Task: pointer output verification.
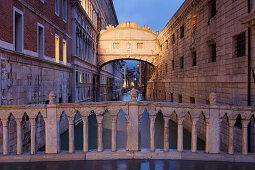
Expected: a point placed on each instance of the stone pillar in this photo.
(71, 134)
(127, 134)
(207, 135)
(58, 136)
(245, 136)
(166, 134)
(194, 135)
(51, 127)
(5, 136)
(231, 123)
(180, 135)
(33, 130)
(19, 136)
(85, 134)
(114, 133)
(152, 133)
(100, 133)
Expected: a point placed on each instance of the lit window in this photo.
(194, 22)
(64, 52)
(139, 45)
(80, 77)
(56, 48)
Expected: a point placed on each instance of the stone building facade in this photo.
(51, 45)
(208, 46)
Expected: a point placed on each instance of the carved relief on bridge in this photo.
(128, 41)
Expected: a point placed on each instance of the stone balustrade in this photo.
(133, 111)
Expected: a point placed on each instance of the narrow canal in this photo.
(144, 126)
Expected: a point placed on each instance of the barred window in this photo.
(194, 58)
(240, 45)
(173, 39)
(182, 31)
(182, 62)
(212, 50)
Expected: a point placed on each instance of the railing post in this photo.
(5, 136)
(85, 133)
(19, 136)
(71, 134)
(51, 127)
(231, 123)
(166, 134)
(33, 128)
(100, 133)
(207, 135)
(245, 136)
(152, 133)
(194, 135)
(114, 132)
(132, 123)
(180, 135)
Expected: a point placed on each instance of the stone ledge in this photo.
(121, 154)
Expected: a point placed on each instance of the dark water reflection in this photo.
(128, 165)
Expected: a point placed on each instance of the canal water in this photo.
(144, 126)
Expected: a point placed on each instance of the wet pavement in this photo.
(128, 165)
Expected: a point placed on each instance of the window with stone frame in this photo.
(180, 98)
(212, 8)
(182, 62)
(239, 41)
(212, 53)
(182, 31)
(194, 58)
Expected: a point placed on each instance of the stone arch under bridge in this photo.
(128, 41)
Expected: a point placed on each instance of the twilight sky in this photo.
(154, 13)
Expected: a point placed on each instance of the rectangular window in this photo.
(64, 52)
(18, 31)
(64, 10)
(192, 100)
(240, 45)
(172, 97)
(180, 98)
(56, 48)
(212, 8)
(166, 44)
(166, 67)
(182, 31)
(212, 49)
(182, 62)
(77, 77)
(194, 58)
(140, 45)
(194, 21)
(57, 7)
(80, 77)
(40, 42)
(172, 64)
(173, 38)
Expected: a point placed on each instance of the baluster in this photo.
(71, 134)
(33, 130)
(245, 136)
(114, 132)
(207, 134)
(100, 133)
(231, 123)
(180, 135)
(152, 133)
(85, 133)
(194, 135)
(19, 136)
(5, 136)
(166, 134)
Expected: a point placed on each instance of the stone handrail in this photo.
(133, 111)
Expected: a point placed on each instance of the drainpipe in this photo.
(249, 59)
